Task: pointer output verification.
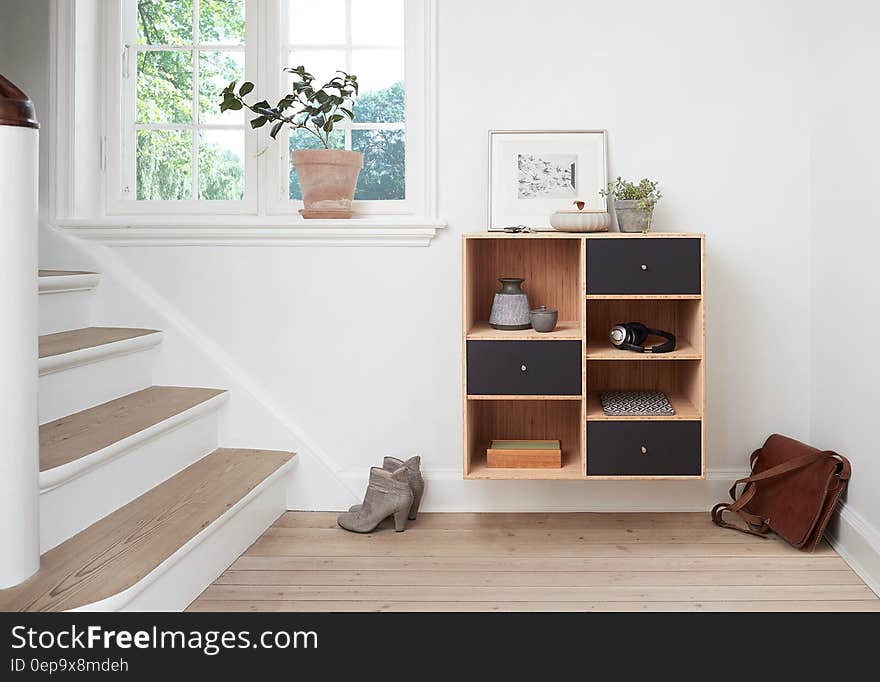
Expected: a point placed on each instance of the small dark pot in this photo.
(544, 319)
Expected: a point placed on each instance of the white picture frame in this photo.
(533, 173)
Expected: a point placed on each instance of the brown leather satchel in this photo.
(792, 491)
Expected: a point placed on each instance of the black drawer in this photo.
(524, 367)
(643, 266)
(649, 448)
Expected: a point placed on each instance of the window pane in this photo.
(164, 164)
(322, 64)
(301, 139)
(387, 105)
(384, 173)
(165, 22)
(221, 164)
(221, 21)
(164, 87)
(216, 71)
(316, 23)
(377, 69)
(377, 22)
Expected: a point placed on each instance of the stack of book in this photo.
(524, 454)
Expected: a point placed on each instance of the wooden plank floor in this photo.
(531, 562)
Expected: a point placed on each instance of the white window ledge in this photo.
(253, 231)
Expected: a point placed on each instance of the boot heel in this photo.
(414, 510)
(400, 520)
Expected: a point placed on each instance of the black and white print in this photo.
(545, 176)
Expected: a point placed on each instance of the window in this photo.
(168, 150)
(179, 54)
(366, 38)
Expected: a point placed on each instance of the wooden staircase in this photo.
(140, 509)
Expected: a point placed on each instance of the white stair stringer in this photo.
(184, 575)
(75, 495)
(74, 381)
(65, 300)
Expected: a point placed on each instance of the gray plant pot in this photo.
(630, 218)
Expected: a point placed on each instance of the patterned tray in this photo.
(636, 404)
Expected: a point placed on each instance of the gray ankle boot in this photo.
(413, 476)
(388, 494)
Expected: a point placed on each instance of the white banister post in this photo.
(19, 448)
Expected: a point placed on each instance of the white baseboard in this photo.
(445, 491)
(858, 542)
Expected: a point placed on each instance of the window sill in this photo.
(253, 231)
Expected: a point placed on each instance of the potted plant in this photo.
(633, 203)
(327, 176)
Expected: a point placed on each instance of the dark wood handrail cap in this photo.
(16, 108)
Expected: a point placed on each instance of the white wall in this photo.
(24, 59)
(361, 346)
(845, 140)
(357, 350)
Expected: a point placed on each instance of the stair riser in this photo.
(67, 391)
(61, 311)
(77, 503)
(174, 584)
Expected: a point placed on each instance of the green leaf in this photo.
(258, 122)
(235, 105)
(328, 126)
(275, 129)
(245, 88)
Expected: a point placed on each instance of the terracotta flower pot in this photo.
(327, 178)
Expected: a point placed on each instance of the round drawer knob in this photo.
(523, 367)
(644, 267)
(644, 450)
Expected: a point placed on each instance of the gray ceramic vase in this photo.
(631, 218)
(510, 310)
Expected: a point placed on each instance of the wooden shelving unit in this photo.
(622, 280)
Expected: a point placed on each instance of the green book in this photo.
(525, 445)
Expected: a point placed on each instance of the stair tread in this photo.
(63, 273)
(87, 337)
(69, 438)
(116, 552)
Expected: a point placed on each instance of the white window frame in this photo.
(278, 200)
(266, 182)
(121, 118)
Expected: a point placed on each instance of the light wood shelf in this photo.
(605, 351)
(568, 330)
(572, 469)
(644, 297)
(523, 397)
(685, 410)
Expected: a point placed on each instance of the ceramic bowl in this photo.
(581, 221)
(544, 319)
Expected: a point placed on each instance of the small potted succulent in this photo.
(633, 203)
(327, 176)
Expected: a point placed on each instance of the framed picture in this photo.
(533, 173)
